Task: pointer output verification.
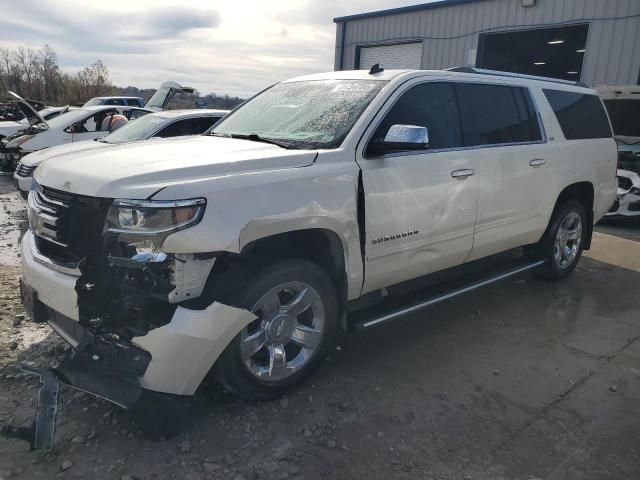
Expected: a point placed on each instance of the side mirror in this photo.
(401, 138)
(410, 137)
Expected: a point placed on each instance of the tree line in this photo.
(36, 75)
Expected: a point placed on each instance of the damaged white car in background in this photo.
(76, 125)
(12, 127)
(86, 123)
(171, 123)
(623, 105)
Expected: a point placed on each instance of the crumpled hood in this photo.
(36, 158)
(137, 170)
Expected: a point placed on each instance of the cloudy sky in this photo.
(224, 46)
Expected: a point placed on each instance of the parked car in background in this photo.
(326, 201)
(623, 105)
(76, 125)
(11, 127)
(129, 101)
(172, 123)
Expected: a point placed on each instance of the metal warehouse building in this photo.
(595, 41)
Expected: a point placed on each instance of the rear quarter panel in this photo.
(574, 161)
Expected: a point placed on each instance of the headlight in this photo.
(635, 191)
(149, 217)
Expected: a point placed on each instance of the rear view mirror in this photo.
(401, 138)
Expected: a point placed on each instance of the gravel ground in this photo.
(522, 380)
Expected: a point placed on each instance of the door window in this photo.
(497, 114)
(430, 105)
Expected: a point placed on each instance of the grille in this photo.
(24, 170)
(45, 216)
(625, 183)
(67, 227)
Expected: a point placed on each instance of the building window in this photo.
(549, 52)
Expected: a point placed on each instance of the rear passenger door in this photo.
(501, 124)
(420, 205)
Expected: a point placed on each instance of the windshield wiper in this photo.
(254, 137)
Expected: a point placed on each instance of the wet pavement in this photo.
(521, 380)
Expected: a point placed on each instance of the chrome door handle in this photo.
(465, 172)
(537, 162)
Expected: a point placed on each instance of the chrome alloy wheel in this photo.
(568, 239)
(286, 334)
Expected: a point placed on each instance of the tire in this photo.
(564, 240)
(280, 361)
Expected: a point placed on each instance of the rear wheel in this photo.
(563, 242)
(296, 308)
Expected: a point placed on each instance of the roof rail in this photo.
(498, 73)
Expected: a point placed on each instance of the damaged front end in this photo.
(10, 152)
(130, 333)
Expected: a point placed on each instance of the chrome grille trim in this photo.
(23, 170)
(42, 260)
(44, 216)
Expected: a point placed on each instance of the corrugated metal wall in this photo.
(450, 34)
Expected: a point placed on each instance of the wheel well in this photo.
(231, 271)
(320, 246)
(584, 193)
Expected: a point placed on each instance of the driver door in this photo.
(420, 205)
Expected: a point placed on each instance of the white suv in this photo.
(317, 205)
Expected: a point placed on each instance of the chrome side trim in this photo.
(42, 260)
(451, 294)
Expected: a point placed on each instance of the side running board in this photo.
(361, 320)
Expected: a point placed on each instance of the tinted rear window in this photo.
(580, 116)
(497, 114)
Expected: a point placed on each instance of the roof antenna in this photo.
(376, 69)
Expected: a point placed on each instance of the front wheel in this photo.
(564, 241)
(296, 307)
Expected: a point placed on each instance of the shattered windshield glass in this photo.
(625, 117)
(307, 114)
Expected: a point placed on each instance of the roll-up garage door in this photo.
(402, 55)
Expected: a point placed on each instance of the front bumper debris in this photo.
(41, 432)
(99, 366)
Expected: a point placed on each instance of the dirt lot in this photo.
(521, 380)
